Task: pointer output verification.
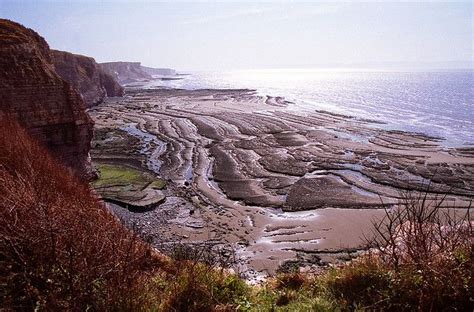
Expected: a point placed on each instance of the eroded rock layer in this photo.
(275, 177)
(86, 76)
(35, 95)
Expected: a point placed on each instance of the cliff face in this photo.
(35, 95)
(126, 72)
(86, 76)
(159, 71)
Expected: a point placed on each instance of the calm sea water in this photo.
(440, 104)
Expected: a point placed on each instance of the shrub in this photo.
(60, 249)
(358, 284)
(418, 231)
(294, 280)
(201, 280)
(421, 258)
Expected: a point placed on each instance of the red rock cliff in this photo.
(86, 76)
(46, 105)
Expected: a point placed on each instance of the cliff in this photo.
(126, 72)
(86, 76)
(159, 71)
(42, 102)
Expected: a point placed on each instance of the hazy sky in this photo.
(245, 35)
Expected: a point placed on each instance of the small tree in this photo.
(418, 230)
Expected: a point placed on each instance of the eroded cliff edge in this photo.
(34, 94)
(126, 72)
(86, 76)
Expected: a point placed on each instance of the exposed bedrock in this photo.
(34, 94)
(260, 153)
(327, 191)
(86, 76)
(278, 181)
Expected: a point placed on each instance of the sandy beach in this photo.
(275, 181)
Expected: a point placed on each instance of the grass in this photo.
(120, 175)
(60, 248)
(267, 298)
(158, 184)
(128, 186)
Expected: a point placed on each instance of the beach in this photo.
(274, 182)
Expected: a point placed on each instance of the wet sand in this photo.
(275, 180)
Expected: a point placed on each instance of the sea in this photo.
(436, 103)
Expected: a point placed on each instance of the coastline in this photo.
(235, 159)
(409, 101)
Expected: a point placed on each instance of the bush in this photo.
(201, 279)
(60, 249)
(421, 258)
(293, 280)
(199, 287)
(358, 284)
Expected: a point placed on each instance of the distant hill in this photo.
(159, 71)
(129, 72)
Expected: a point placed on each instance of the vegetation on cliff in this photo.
(59, 247)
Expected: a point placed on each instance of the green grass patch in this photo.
(119, 175)
(158, 184)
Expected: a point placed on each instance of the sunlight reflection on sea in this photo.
(439, 104)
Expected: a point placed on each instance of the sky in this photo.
(204, 35)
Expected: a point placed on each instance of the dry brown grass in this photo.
(60, 249)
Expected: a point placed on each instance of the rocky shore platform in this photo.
(277, 181)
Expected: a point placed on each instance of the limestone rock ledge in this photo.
(34, 94)
(86, 76)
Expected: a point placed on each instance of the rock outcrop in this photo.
(129, 72)
(126, 72)
(46, 105)
(86, 76)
